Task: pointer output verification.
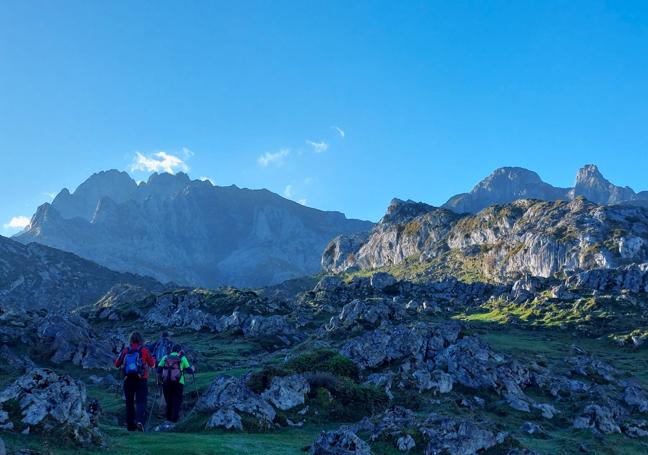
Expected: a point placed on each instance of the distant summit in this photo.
(188, 231)
(508, 184)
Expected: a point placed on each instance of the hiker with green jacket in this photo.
(171, 372)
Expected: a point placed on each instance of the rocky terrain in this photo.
(518, 330)
(187, 231)
(353, 364)
(508, 184)
(499, 243)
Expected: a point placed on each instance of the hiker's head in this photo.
(177, 348)
(136, 338)
(165, 334)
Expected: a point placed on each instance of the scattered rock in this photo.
(339, 442)
(405, 443)
(531, 428)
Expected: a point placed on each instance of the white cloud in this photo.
(17, 222)
(160, 162)
(207, 179)
(340, 131)
(50, 195)
(273, 158)
(288, 191)
(319, 147)
(302, 201)
(186, 153)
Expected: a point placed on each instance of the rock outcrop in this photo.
(50, 403)
(523, 237)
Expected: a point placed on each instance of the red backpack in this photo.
(172, 371)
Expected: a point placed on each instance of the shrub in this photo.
(324, 360)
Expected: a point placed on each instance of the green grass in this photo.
(284, 441)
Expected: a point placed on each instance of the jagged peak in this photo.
(161, 177)
(400, 210)
(589, 172)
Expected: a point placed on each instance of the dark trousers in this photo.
(136, 394)
(173, 397)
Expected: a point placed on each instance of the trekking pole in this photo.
(157, 396)
(193, 384)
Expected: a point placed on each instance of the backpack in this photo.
(133, 364)
(172, 371)
(162, 348)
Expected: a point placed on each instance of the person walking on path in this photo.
(171, 370)
(135, 361)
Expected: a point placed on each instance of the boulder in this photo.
(53, 404)
(531, 428)
(405, 443)
(286, 392)
(382, 280)
(225, 418)
(457, 437)
(600, 417)
(329, 283)
(262, 326)
(228, 392)
(633, 396)
(339, 442)
(390, 343)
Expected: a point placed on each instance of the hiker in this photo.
(162, 347)
(135, 361)
(171, 373)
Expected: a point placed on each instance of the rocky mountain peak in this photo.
(400, 211)
(189, 232)
(507, 184)
(589, 173)
(508, 176)
(82, 203)
(591, 184)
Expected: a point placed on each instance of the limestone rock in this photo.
(286, 392)
(225, 418)
(339, 442)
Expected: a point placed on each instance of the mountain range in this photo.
(507, 184)
(187, 231)
(194, 233)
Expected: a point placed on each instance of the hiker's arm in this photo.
(184, 364)
(120, 359)
(146, 356)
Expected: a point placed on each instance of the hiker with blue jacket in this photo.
(135, 361)
(171, 373)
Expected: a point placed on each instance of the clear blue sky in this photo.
(431, 95)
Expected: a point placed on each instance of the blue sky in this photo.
(431, 96)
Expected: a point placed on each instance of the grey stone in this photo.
(287, 392)
(225, 418)
(339, 442)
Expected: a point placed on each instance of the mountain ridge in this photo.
(188, 231)
(507, 184)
